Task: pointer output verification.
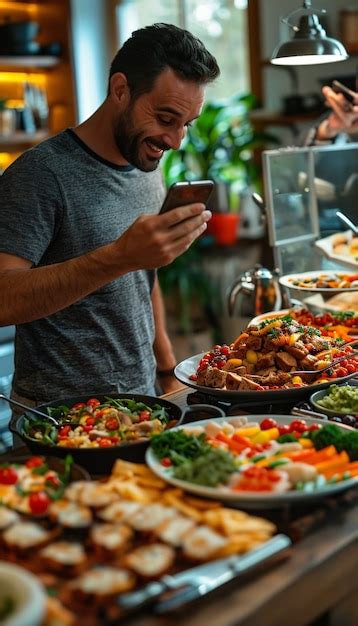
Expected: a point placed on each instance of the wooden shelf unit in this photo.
(51, 73)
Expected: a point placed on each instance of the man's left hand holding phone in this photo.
(344, 115)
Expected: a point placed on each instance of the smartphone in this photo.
(180, 194)
(345, 91)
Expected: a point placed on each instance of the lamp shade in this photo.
(309, 46)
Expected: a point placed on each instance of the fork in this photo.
(323, 369)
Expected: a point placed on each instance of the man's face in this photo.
(157, 120)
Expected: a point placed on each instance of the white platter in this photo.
(326, 247)
(287, 281)
(247, 499)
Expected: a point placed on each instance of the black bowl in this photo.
(100, 460)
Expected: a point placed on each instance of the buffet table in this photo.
(314, 582)
(318, 580)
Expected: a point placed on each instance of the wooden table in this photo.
(317, 582)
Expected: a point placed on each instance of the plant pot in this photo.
(225, 228)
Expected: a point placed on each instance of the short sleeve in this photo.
(30, 208)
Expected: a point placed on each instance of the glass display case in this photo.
(304, 187)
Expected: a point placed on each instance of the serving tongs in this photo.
(29, 409)
(198, 581)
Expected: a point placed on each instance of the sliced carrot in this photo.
(340, 472)
(233, 445)
(322, 455)
(335, 461)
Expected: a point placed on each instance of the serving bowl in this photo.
(100, 460)
(25, 593)
(331, 413)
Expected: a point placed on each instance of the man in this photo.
(80, 234)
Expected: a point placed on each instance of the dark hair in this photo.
(151, 49)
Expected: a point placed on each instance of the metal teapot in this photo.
(256, 291)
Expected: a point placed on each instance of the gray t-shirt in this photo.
(60, 200)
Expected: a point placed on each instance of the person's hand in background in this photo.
(343, 117)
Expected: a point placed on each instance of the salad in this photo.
(95, 424)
(264, 457)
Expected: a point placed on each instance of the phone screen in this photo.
(180, 194)
(345, 91)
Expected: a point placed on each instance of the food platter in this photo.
(307, 278)
(186, 368)
(327, 246)
(247, 499)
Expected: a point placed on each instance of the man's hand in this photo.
(156, 240)
(344, 116)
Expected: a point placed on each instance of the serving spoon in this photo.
(341, 216)
(29, 408)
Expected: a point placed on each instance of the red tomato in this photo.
(225, 350)
(298, 426)
(166, 462)
(144, 416)
(35, 461)
(87, 428)
(39, 502)
(112, 423)
(315, 427)
(104, 442)
(79, 405)
(90, 421)
(63, 431)
(53, 480)
(267, 423)
(93, 402)
(341, 372)
(284, 429)
(8, 476)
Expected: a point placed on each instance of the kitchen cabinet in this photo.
(49, 72)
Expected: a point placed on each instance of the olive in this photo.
(349, 420)
(336, 419)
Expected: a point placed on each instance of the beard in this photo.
(129, 141)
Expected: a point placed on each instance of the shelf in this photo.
(21, 139)
(276, 118)
(29, 61)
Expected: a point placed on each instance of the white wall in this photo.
(92, 54)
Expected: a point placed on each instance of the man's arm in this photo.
(163, 349)
(27, 293)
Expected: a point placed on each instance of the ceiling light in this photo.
(310, 44)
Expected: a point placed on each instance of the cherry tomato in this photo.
(53, 480)
(8, 476)
(166, 462)
(112, 423)
(284, 429)
(39, 502)
(104, 442)
(93, 402)
(90, 421)
(341, 372)
(144, 416)
(225, 350)
(267, 423)
(298, 426)
(64, 431)
(35, 461)
(87, 428)
(79, 405)
(315, 427)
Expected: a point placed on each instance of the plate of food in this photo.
(323, 282)
(256, 462)
(262, 362)
(340, 247)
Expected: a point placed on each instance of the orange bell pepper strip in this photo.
(233, 445)
(319, 456)
(336, 461)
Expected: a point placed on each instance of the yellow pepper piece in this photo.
(293, 338)
(305, 443)
(249, 432)
(262, 437)
(232, 364)
(297, 380)
(251, 356)
(266, 329)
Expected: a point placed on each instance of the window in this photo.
(220, 24)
